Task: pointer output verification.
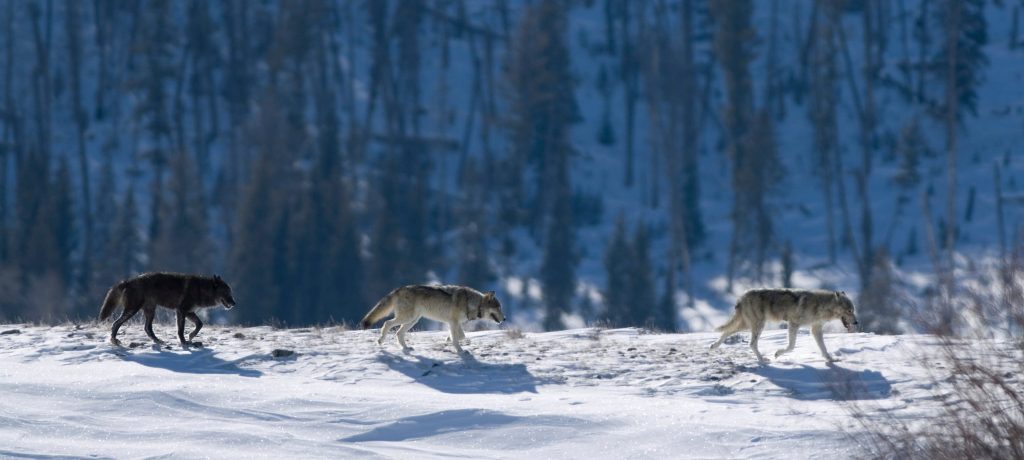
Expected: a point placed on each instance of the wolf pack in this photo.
(185, 294)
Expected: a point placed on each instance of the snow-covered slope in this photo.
(585, 393)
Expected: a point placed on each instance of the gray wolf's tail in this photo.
(113, 299)
(379, 311)
(734, 323)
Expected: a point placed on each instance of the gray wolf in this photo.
(182, 293)
(796, 307)
(448, 304)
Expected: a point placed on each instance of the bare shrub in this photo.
(514, 333)
(979, 382)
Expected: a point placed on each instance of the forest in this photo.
(598, 161)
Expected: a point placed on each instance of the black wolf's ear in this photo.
(217, 278)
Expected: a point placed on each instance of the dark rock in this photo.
(10, 331)
(281, 353)
(239, 335)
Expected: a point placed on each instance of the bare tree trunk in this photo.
(74, 39)
(41, 81)
(101, 9)
(9, 119)
(868, 123)
(951, 110)
(630, 93)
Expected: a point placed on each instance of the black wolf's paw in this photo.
(184, 345)
(195, 344)
(115, 342)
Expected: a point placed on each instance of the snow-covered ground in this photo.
(584, 393)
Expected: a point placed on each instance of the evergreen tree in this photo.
(910, 148)
(557, 272)
(255, 248)
(182, 242)
(105, 267)
(823, 107)
(62, 219)
(542, 107)
(879, 304)
(617, 264)
(474, 267)
(126, 242)
(961, 58)
(734, 46)
(666, 313)
(641, 285)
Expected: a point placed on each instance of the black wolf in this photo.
(180, 292)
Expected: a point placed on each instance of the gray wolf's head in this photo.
(223, 293)
(845, 311)
(490, 307)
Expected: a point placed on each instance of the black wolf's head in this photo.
(223, 293)
(490, 307)
(846, 312)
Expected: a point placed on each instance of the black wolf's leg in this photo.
(150, 313)
(181, 328)
(126, 315)
(195, 320)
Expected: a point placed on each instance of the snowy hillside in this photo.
(584, 393)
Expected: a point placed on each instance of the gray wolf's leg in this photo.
(195, 320)
(456, 334)
(126, 315)
(384, 330)
(150, 313)
(793, 328)
(401, 333)
(816, 332)
(755, 333)
(181, 328)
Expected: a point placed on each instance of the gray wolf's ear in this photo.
(837, 295)
(489, 294)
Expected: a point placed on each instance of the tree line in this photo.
(319, 153)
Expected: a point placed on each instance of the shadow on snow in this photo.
(460, 421)
(834, 382)
(201, 361)
(465, 376)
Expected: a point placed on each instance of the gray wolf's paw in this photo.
(780, 353)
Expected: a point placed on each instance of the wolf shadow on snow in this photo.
(201, 361)
(836, 383)
(467, 376)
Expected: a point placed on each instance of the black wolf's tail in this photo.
(383, 307)
(113, 299)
